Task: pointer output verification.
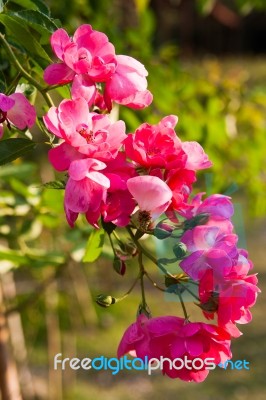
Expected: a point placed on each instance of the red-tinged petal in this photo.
(22, 114)
(61, 156)
(59, 40)
(138, 100)
(58, 74)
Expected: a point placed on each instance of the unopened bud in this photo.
(119, 266)
(105, 300)
(163, 230)
(200, 219)
(180, 250)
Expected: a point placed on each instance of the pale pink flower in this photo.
(128, 84)
(90, 134)
(152, 195)
(16, 109)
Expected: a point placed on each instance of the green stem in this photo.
(189, 291)
(182, 304)
(154, 283)
(13, 84)
(24, 73)
(147, 254)
(129, 290)
(142, 272)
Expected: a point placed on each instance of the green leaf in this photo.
(18, 30)
(94, 246)
(38, 5)
(11, 149)
(38, 21)
(55, 185)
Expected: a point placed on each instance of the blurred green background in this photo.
(206, 63)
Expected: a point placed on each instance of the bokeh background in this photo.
(206, 62)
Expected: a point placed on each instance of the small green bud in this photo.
(119, 266)
(163, 230)
(200, 219)
(104, 300)
(180, 250)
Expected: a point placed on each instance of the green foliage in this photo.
(94, 246)
(11, 149)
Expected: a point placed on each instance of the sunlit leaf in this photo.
(94, 246)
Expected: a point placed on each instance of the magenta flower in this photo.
(89, 58)
(230, 298)
(173, 337)
(16, 109)
(119, 203)
(85, 190)
(156, 146)
(210, 248)
(218, 206)
(90, 134)
(152, 195)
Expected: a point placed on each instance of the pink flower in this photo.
(90, 134)
(173, 337)
(230, 298)
(89, 58)
(210, 248)
(152, 195)
(88, 52)
(156, 146)
(17, 110)
(85, 190)
(128, 84)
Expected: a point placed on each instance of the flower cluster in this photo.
(132, 179)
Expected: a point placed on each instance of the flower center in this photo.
(87, 134)
(144, 220)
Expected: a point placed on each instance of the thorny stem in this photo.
(24, 73)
